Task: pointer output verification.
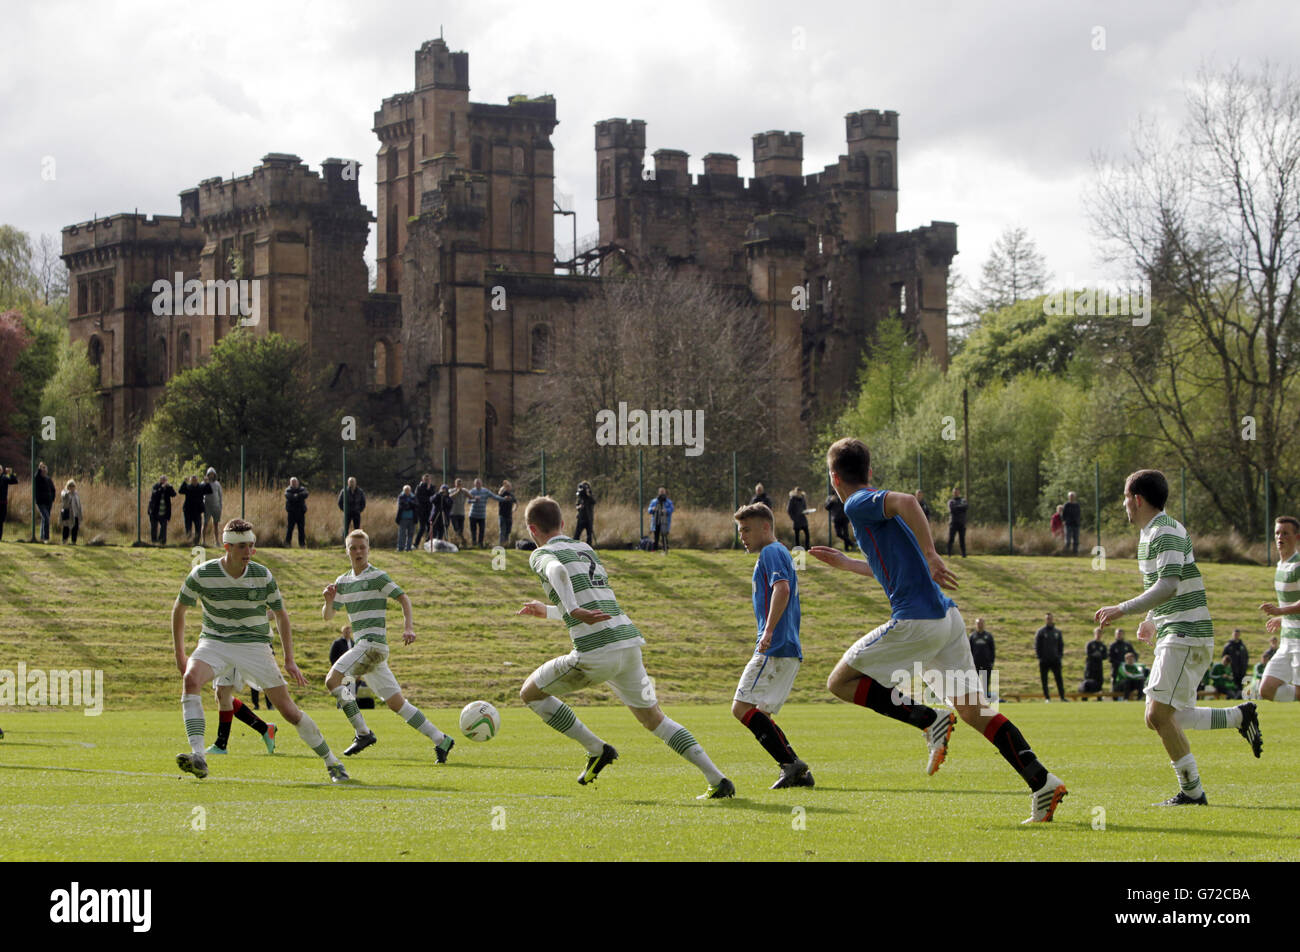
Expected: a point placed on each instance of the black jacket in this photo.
(1098, 651)
(586, 505)
(1239, 655)
(766, 500)
(1070, 514)
(982, 648)
(794, 509)
(1048, 644)
(5, 483)
(836, 508)
(957, 511)
(43, 490)
(424, 499)
(506, 505)
(295, 501)
(193, 505)
(1116, 651)
(160, 501)
(339, 648)
(356, 500)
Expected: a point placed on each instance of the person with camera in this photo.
(661, 510)
(586, 513)
(7, 479)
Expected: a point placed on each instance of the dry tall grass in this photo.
(110, 518)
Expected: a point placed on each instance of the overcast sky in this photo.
(1002, 104)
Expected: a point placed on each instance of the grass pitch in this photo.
(105, 788)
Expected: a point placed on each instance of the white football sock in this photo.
(1188, 777)
(559, 716)
(348, 701)
(1208, 718)
(192, 711)
(681, 740)
(411, 714)
(313, 738)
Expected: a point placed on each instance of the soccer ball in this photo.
(480, 720)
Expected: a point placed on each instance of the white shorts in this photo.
(621, 669)
(1179, 665)
(369, 658)
(253, 663)
(236, 679)
(1285, 663)
(766, 682)
(939, 646)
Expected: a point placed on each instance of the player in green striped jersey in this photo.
(236, 593)
(606, 647)
(1178, 622)
(364, 593)
(1282, 673)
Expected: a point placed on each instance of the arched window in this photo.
(476, 156)
(379, 364)
(518, 224)
(487, 344)
(884, 171)
(183, 351)
(392, 164)
(540, 351)
(606, 186)
(95, 354)
(517, 154)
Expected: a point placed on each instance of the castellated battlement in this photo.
(438, 67)
(126, 227)
(281, 179)
(620, 134)
(871, 124)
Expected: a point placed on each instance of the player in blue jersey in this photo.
(925, 627)
(770, 674)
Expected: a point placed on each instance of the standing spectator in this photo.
(44, 493)
(835, 506)
(1049, 647)
(661, 509)
(1070, 513)
(1058, 527)
(586, 513)
(7, 479)
(478, 499)
(505, 511)
(160, 510)
(1239, 656)
(1272, 650)
(192, 508)
(761, 496)
(295, 508)
(407, 509)
(439, 513)
(424, 493)
(795, 510)
(356, 504)
(70, 511)
(984, 652)
(1118, 649)
(212, 504)
(1093, 672)
(458, 496)
(925, 508)
(957, 520)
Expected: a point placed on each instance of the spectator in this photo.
(1058, 527)
(1239, 656)
(1049, 647)
(1097, 651)
(835, 506)
(984, 652)
(957, 520)
(1130, 676)
(160, 510)
(295, 508)
(661, 510)
(479, 497)
(1070, 513)
(440, 513)
(212, 504)
(7, 479)
(192, 508)
(44, 493)
(1272, 650)
(505, 511)
(1119, 648)
(795, 510)
(70, 511)
(355, 499)
(424, 493)
(459, 494)
(1221, 679)
(407, 508)
(925, 507)
(763, 497)
(586, 512)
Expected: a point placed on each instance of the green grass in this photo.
(105, 788)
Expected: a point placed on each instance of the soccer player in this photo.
(364, 592)
(924, 627)
(236, 593)
(1282, 673)
(606, 647)
(767, 679)
(1179, 619)
(229, 707)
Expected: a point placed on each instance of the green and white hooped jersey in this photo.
(1286, 581)
(234, 609)
(591, 589)
(1165, 551)
(365, 598)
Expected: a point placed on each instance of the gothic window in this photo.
(83, 298)
(540, 350)
(517, 153)
(884, 170)
(95, 353)
(518, 224)
(476, 156)
(109, 300)
(96, 296)
(183, 351)
(487, 344)
(606, 178)
(379, 364)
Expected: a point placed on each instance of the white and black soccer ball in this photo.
(480, 721)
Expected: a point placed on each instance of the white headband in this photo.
(234, 538)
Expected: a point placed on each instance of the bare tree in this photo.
(1211, 219)
(51, 272)
(1014, 271)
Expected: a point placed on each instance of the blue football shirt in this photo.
(775, 565)
(895, 558)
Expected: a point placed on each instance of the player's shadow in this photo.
(1217, 833)
(926, 791)
(740, 803)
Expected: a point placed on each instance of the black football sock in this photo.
(893, 703)
(1013, 747)
(223, 728)
(769, 735)
(248, 717)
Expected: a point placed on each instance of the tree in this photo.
(253, 391)
(70, 397)
(49, 271)
(17, 279)
(1020, 338)
(1014, 271)
(1210, 219)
